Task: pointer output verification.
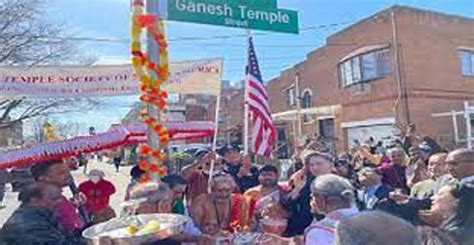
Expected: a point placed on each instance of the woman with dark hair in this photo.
(453, 206)
(461, 224)
(137, 176)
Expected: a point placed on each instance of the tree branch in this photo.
(13, 104)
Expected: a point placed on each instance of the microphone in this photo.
(82, 209)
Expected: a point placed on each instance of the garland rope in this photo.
(151, 94)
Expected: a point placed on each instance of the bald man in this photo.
(394, 173)
(421, 192)
(461, 165)
(221, 209)
(438, 177)
(375, 228)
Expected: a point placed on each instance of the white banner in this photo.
(187, 77)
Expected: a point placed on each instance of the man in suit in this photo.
(374, 194)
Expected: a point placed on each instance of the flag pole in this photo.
(246, 105)
(214, 140)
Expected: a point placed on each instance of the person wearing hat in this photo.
(238, 166)
(98, 191)
(331, 195)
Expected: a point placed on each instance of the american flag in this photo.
(263, 131)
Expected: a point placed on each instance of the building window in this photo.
(291, 96)
(466, 58)
(222, 118)
(306, 102)
(365, 67)
(306, 99)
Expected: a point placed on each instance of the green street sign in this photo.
(262, 3)
(231, 13)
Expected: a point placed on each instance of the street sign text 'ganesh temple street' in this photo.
(233, 13)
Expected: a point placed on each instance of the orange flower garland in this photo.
(150, 87)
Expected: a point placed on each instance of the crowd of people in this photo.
(418, 194)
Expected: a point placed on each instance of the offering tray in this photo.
(115, 229)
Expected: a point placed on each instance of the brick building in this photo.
(361, 83)
(230, 115)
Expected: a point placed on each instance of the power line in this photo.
(269, 68)
(127, 40)
(234, 45)
(264, 58)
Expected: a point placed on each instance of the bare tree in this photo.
(26, 35)
(28, 38)
(14, 111)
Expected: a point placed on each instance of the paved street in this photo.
(120, 180)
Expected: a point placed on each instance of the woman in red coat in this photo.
(98, 191)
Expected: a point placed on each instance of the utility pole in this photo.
(228, 118)
(402, 90)
(298, 105)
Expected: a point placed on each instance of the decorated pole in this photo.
(153, 70)
(152, 49)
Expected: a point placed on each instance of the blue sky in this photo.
(111, 19)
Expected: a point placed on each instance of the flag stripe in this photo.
(253, 90)
(258, 86)
(255, 99)
(259, 111)
(265, 139)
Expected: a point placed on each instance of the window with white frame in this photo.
(365, 67)
(291, 97)
(466, 59)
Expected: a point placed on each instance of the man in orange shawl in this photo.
(264, 199)
(221, 210)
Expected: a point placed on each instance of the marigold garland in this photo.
(151, 93)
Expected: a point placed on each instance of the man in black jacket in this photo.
(238, 167)
(297, 202)
(33, 222)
